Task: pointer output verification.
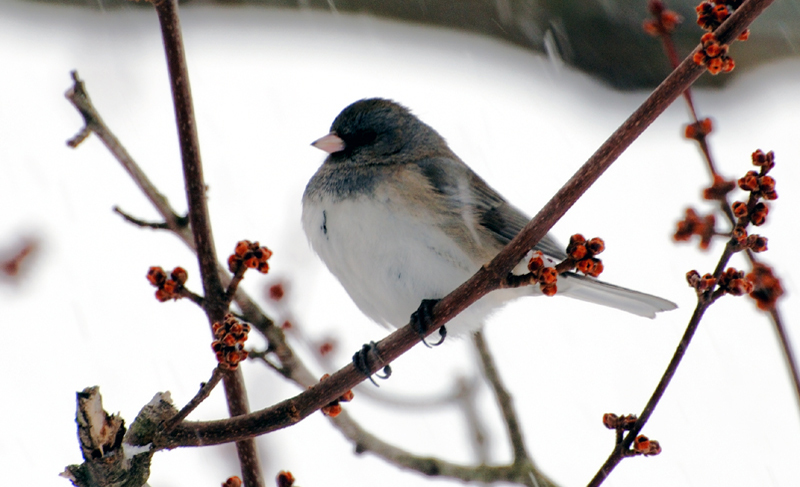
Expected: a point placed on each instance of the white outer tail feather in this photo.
(599, 292)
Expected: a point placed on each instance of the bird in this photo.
(399, 219)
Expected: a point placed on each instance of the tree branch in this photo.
(524, 473)
(215, 302)
(202, 394)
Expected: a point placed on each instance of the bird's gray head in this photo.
(374, 129)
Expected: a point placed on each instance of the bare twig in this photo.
(466, 398)
(726, 33)
(524, 473)
(79, 98)
(191, 296)
(202, 394)
(233, 285)
(788, 351)
(145, 224)
(504, 400)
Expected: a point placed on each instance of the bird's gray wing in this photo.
(504, 221)
(499, 220)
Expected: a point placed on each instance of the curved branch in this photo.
(366, 442)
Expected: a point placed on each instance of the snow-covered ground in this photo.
(266, 83)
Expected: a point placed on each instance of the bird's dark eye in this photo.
(360, 139)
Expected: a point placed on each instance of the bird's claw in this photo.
(421, 320)
(362, 361)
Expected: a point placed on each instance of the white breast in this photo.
(387, 260)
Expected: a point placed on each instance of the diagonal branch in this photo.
(622, 447)
(78, 96)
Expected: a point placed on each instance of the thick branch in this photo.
(216, 302)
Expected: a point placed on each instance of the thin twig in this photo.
(140, 223)
(191, 296)
(145, 224)
(202, 394)
(622, 447)
(233, 285)
(504, 400)
(524, 474)
(466, 398)
(79, 98)
(788, 351)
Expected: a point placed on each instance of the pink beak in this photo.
(330, 143)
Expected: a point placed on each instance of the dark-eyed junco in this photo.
(398, 218)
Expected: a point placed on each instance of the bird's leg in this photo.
(422, 318)
(362, 360)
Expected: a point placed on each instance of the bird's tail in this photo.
(599, 292)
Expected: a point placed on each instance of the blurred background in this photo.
(524, 92)
(600, 37)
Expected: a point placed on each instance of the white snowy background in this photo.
(266, 83)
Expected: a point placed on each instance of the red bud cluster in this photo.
(229, 344)
(702, 283)
(612, 421)
(583, 253)
(766, 287)
(168, 287)
(698, 130)
(711, 15)
(732, 281)
(547, 277)
(663, 22)
(645, 446)
(693, 224)
(232, 482)
(284, 479)
(713, 55)
(250, 255)
(760, 186)
(719, 189)
(754, 242)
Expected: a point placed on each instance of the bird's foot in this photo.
(363, 359)
(421, 320)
